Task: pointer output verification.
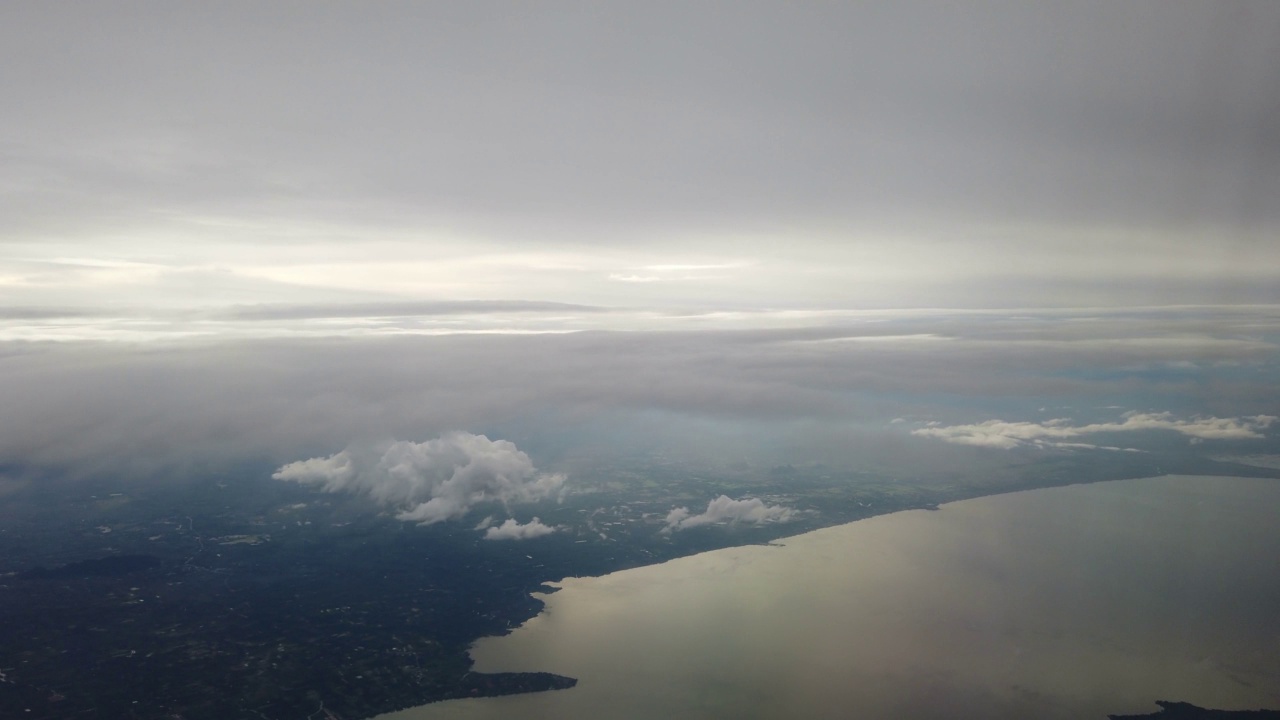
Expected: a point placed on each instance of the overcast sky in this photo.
(787, 225)
(197, 157)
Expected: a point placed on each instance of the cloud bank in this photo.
(151, 412)
(1007, 435)
(512, 530)
(432, 481)
(725, 509)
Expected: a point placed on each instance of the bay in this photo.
(1069, 602)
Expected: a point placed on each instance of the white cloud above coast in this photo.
(436, 480)
(1008, 435)
(724, 509)
(514, 530)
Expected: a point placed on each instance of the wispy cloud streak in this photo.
(1008, 435)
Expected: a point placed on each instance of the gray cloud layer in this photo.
(432, 481)
(733, 154)
(730, 107)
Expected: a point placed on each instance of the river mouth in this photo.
(1070, 602)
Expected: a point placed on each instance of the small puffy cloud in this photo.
(1007, 435)
(334, 472)
(512, 530)
(726, 509)
(431, 481)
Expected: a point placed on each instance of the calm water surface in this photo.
(1070, 602)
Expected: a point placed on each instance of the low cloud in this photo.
(512, 530)
(1008, 435)
(431, 481)
(725, 509)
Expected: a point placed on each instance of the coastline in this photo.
(728, 561)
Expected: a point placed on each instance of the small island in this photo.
(1186, 711)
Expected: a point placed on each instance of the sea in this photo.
(1069, 602)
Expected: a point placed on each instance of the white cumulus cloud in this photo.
(726, 509)
(1006, 435)
(431, 481)
(512, 530)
